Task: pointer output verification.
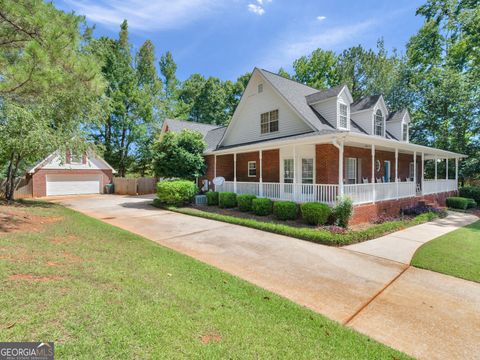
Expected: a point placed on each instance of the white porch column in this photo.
(260, 191)
(340, 169)
(214, 170)
(415, 170)
(373, 173)
(446, 169)
(396, 169)
(436, 178)
(235, 172)
(456, 173)
(423, 169)
(294, 190)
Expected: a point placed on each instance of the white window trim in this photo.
(248, 169)
(355, 162)
(313, 169)
(384, 126)
(338, 115)
(404, 123)
(268, 122)
(283, 169)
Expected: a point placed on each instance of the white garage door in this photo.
(73, 184)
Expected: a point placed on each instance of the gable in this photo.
(245, 124)
(57, 161)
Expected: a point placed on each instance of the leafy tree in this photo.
(134, 98)
(49, 85)
(319, 69)
(168, 69)
(210, 105)
(179, 155)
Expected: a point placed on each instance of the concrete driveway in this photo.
(424, 314)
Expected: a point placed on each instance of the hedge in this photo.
(458, 203)
(212, 198)
(315, 235)
(315, 213)
(285, 210)
(471, 203)
(244, 202)
(262, 206)
(472, 192)
(227, 199)
(176, 192)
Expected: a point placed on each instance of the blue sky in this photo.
(226, 38)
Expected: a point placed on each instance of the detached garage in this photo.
(60, 174)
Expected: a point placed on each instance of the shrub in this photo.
(343, 211)
(457, 203)
(227, 199)
(472, 192)
(422, 209)
(285, 210)
(176, 192)
(245, 202)
(212, 198)
(471, 203)
(315, 213)
(262, 206)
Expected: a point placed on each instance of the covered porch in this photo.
(323, 168)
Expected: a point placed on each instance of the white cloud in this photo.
(295, 45)
(321, 18)
(256, 9)
(146, 15)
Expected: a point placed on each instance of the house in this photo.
(289, 141)
(70, 174)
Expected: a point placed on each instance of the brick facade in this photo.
(326, 158)
(271, 165)
(225, 166)
(368, 212)
(39, 185)
(242, 166)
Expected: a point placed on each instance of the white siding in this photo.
(301, 152)
(328, 109)
(395, 127)
(58, 162)
(245, 125)
(364, 119)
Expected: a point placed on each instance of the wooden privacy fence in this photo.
(23, 188)
(140, 186)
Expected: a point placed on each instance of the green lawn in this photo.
(456, 253)
(106, 293)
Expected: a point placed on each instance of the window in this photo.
(260, 88)
(76, 158)
(252, 169)
(288, 171)
(269, 122)
(378, 121)
(342, 116)
(411, 171)
(405, 132)
(351, 170)
(307, 171)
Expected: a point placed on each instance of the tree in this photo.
(318, 70)
(210, 105)
(49, 86)
(133, 92)
(168, 69)
(179, 155)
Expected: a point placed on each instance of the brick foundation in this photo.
(369, 212)
(39, 185)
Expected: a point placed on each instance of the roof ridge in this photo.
(292, 80)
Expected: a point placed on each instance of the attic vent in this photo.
(260, 88)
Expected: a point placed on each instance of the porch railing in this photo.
(439, 186)
(328, 193)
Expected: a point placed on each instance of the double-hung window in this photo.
(378, 123)
(405, 132)
(342, 116)
(288, 175)
(252, 169)
(269, 122)
(307, 171)
(351, 170)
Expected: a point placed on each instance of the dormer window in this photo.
(405, 132)
(269, 122)
(342, 116)
(378, 123)
(260, 88)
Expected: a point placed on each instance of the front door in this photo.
(386, 175)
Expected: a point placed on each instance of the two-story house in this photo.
(290, 141)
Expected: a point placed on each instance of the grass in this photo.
(107, 293)
(456, 253)
(311, 234)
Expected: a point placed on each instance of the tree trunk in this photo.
(11, 173)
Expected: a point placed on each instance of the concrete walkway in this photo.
(400, 246)
(424, 314)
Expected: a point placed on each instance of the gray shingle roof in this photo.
(357, 128)
(364, 103)
(396, 115)
(324, 94)
(213, 137)
(176, 125)
(389, 135)
(294, 93)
